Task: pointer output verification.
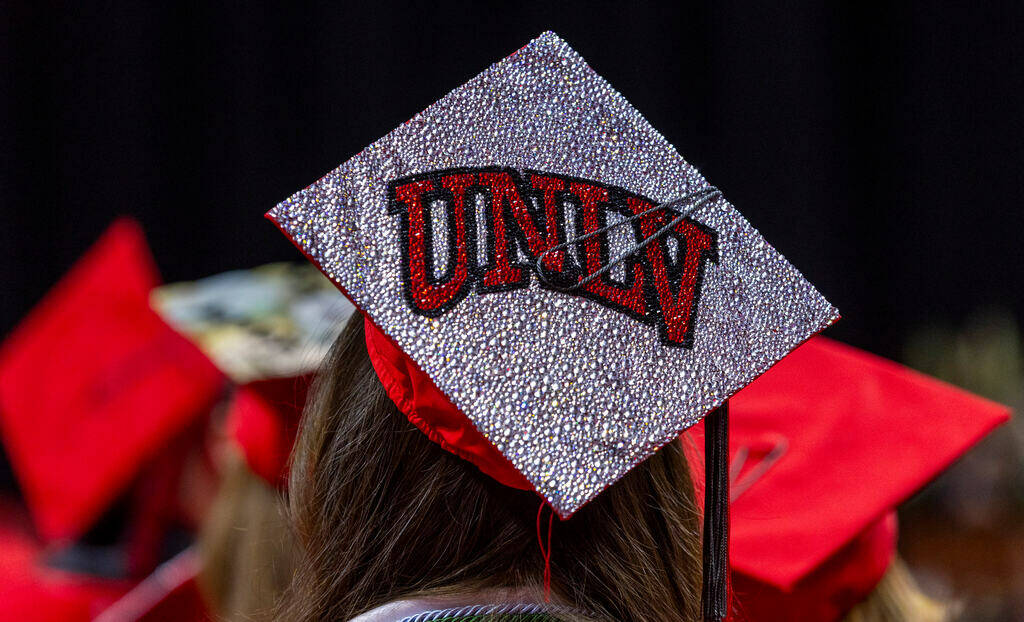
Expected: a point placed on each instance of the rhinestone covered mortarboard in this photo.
(433, 231)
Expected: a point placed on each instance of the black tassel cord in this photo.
(714, 595)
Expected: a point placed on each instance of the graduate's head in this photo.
(552, 294)
(382, 512)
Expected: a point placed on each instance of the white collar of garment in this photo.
(399, 610)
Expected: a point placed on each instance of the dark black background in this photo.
(879, 148)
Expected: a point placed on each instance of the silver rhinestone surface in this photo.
(572, 392)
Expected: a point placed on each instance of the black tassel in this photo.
(715, 597)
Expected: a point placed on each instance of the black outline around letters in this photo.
(517, 245)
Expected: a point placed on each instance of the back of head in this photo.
(382, 513)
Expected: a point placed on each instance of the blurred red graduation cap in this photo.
(31, 591)
(825, 446)
(93, 382)
(262, 419)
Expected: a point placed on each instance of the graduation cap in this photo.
(272, 321)
(824, 447)
(93, 382)
(562, 292)
(268, 328)
(263, 417)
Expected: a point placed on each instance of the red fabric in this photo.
(263, 418)
(828, 592)
(813, 534)
(93, 382)
(431, 411)
(864, 435)
(30, 591)
(156, 500)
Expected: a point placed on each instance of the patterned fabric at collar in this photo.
(500, 613)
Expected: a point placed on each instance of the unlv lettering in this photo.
(522, 216)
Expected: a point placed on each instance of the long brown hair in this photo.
(245, 546)
(381, 513)
(898, 598)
